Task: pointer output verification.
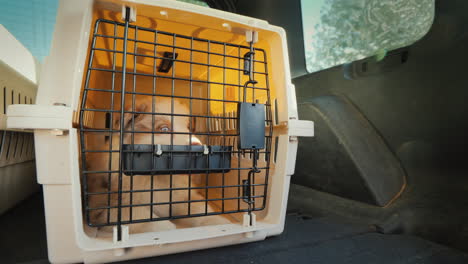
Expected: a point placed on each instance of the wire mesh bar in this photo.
(121, 134)
(179, 47)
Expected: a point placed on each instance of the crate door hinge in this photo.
(249, 220)
(132, 15)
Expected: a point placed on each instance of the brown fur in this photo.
(100, 182)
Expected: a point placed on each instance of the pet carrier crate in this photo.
(161, 127)
(18, 85)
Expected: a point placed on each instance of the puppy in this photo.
(140, 200)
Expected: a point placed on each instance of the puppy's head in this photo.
(157, 114)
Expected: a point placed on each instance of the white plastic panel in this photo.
(18, 85)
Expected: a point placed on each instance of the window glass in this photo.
(342, 31)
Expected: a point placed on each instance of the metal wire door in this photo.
(152, 75)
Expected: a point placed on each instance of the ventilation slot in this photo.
(4, 100)
(276, 149)
(16, 147)
(275, 121)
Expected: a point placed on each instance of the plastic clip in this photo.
(206, 151)
(158, 151)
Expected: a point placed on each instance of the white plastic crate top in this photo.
(57, 148)
(18, 85)
(18, 70)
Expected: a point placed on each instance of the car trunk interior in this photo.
(417, 110)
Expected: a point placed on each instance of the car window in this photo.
(342, 31)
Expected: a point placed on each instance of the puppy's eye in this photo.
(164, 128)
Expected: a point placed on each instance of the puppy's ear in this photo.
(129, 115)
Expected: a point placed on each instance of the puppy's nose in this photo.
(196, 141)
